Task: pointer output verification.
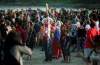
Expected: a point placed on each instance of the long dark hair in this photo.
(13, 38)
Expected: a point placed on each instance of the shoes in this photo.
(42, 49)
(79, 55)
(30, 57)
(47, 61)
(65, 61)
(60, 56)
(55, 57)
(73, 50)
(50, 60)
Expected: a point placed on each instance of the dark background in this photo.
(90, 4)
(50, 1)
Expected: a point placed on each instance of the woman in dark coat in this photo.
(30, 42)
(31, 37)
(62, 37)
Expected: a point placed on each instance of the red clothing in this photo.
(46, 25)
(45, 32)
(52, 27)
(23, 36)
(19, 28)
(56, 51)
(67, 26)
(91, 33)
(56, 13)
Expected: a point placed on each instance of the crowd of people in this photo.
(54, 31)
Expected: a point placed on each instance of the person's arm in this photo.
(43, 21)
(90, 39)
(35, 36)
(24, 49)
(68, 43)
(51, 20)
(85, 32)
(35, 40)
(97, 25)
(47, 8)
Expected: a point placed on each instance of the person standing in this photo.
(66, 47)
(56, 43)
(47, 38)
(81, 35)
(30, 42)
(37, 27)
(41, 37)
(63, 28)
(90, 35)
(95, 56)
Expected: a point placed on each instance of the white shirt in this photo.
(47, 31)
(58, 23)
(78, 24)
(28, 18)
(97, 25)
(47, 20)
(87, 27)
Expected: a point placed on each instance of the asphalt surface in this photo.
(38, 57)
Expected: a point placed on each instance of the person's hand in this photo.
(21, 41)
(66, 47)
(36, 40)
(63, 37)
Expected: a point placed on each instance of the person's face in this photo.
(13, 28)
(63, 28)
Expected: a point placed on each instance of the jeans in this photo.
(80, 44)
(48, 49)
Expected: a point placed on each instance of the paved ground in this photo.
(38, 57)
